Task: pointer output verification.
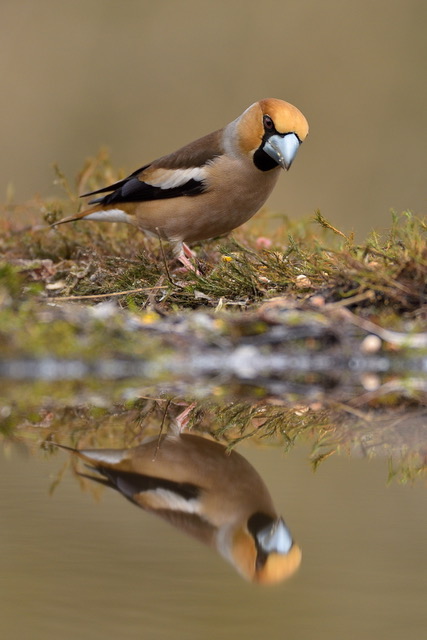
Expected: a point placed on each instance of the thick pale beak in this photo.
(275, 538)
(282, 149)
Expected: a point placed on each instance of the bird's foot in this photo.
(188, 258)
(183, 418)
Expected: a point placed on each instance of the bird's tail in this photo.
(97, 457)
(78, 216)
(63, 446)
(83, 455)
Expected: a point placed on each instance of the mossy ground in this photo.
(87, 262)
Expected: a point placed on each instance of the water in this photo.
(356, 72)
(98, 567)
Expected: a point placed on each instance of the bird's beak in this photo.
(275, 538)
(282, 149)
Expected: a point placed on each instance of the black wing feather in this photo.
(130, 483)
(115, 185)
(133, 190)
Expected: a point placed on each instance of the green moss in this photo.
(11, 283)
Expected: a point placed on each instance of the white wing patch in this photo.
(164, 499)
(171, 178)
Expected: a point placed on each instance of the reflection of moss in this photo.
(398, 436)
(11, 281)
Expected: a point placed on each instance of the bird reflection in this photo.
(197, 486)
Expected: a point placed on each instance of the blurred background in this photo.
(144, 78)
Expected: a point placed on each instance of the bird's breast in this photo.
(235, 191)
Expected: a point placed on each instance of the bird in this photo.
(215, 496)
(208, 187)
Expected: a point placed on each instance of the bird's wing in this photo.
(176, 502)
(182, 173)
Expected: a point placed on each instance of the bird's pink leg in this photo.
(187, 258)
(182, 419)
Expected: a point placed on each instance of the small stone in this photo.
(302, 281)
(370, 382)
(371, 344)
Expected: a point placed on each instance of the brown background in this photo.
(146, 77)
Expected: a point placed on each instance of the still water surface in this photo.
(75, 566)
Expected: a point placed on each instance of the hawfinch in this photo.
(210, 186)
(218, 498)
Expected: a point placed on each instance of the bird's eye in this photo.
(268, 123)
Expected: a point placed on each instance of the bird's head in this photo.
(263, 551)
(271, 131)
